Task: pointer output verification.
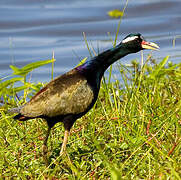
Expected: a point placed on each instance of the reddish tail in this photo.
(20, 117)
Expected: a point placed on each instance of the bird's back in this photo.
(66, 94)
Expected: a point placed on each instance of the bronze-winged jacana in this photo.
(71, 95)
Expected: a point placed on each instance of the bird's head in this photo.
(136, 42)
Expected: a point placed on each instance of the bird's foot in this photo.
(45, 158)
(45, 149)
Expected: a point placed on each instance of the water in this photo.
(32, 30)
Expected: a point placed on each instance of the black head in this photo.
(136, 42)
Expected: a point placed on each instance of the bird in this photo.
(71, 95)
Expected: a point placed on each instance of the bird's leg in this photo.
(68, 122)
(65, 140)
(45, 148)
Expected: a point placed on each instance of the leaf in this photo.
(9, 82)
(115, 173)
(14, 68)
(16, 89)
(115, 13)
(82, 61)
(157, 70)
(29, 67)
(124, 145)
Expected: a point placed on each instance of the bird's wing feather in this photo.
(67, 94)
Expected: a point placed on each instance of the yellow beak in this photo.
(149, 45)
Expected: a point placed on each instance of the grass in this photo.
(133, 131)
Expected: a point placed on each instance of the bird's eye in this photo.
(142, 37)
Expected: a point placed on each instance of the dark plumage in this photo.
(71, 95)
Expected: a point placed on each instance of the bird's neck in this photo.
(100, 63)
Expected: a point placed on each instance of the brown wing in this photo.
(67, 94)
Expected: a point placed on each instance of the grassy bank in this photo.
(133, 131)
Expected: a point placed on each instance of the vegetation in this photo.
(133, 131)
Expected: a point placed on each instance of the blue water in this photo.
(32, 30)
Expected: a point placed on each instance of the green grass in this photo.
(133, 131)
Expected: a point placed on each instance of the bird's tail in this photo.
(14, 110)
(19, 116)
